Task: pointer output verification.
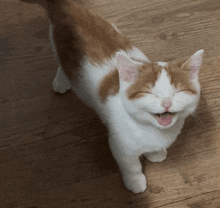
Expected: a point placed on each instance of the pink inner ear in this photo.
(194, 71)
(127, 68)
(193, 64)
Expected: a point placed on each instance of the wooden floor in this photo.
(53, 149)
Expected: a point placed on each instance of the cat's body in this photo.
(143, 104)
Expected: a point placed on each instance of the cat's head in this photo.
(159, 93)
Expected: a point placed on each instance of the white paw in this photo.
(61, 86)
(157, 156)
(136, 183)
(61, 83)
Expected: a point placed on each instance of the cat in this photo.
(143, 104)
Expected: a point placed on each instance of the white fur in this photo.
(161, 63)
(61, 83)
(133, 130)
(135, 53)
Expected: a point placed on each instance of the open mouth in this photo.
(164, 119)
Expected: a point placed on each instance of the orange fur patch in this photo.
(109, 85)
(100, 38)
(180, 77)
(148, 74)
(147, 77)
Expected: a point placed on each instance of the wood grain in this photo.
(53, 149)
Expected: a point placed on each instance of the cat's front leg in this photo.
(157, 156)
(133, 177)
(61, 83)
(135, 182)
(131, 169)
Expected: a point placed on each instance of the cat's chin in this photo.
(165, 120)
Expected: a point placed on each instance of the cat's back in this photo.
(86, 31)
(100, 38)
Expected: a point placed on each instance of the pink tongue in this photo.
(164, 120)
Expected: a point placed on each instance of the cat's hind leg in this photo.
(61, 83)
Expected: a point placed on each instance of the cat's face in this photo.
(160, 93)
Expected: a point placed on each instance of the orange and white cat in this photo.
(143, 104)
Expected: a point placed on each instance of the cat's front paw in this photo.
(136, 183)
(157, 156)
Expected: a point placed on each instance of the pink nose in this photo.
(166, 103)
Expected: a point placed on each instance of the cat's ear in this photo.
(192, 65)
(127, 67)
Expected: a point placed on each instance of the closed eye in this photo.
(141, 94)
(187, 91)
(148, 93)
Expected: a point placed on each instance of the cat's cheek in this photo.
(145, 116)
(190, 110)
(184, 100)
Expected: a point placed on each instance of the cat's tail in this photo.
(55, 8)
(58, 10)
(68, 44)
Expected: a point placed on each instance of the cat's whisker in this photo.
(196, 118)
